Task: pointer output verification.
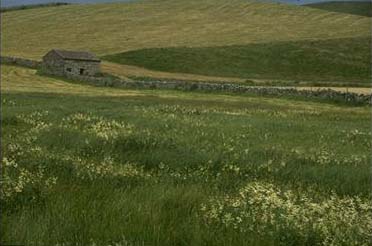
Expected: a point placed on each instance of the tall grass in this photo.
(119, 167)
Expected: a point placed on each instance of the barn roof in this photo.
(77, 55)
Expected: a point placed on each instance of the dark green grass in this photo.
(362, 8)
(184, 135)
(337, 60)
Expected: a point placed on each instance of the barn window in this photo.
(69, 69)
(82, 71)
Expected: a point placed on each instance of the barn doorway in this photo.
(82, 71)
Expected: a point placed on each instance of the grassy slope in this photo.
(134, 72)
(186, 144)
(352, 7)
(327, 60)
(112, 28)
(115, 28)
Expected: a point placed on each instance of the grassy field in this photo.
(327, 60)
(133, 73)
(129, 72)
(353, 7)
(89, 166)
(256, 40)
(86, 165)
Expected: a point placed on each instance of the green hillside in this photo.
(352, 7)
(330, 60)
(257, 39)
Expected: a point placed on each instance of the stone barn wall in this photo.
(83, 68)
(52, 64)
(56, 65)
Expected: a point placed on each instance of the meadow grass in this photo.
(265, 33)
(87, 165)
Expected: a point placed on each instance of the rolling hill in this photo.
(239, 29)
(332, 60)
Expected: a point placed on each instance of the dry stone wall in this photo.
(348, 97)
(20, 62)
(327, 94)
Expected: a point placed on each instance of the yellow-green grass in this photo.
(113, 28)
(129, 72)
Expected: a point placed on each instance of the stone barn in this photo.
(63, 62)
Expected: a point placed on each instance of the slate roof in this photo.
(77, 55)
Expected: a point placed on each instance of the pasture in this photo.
(331, 60)
(235, 40)
(89, 166)
(84, 165)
